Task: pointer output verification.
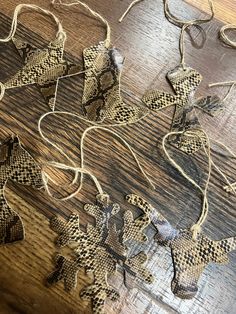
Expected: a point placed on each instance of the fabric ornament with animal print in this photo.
(185, 81)
(42, 67)
(17, 165)
(189, 256)
(101, 97)
(102, 67)
(100, 250)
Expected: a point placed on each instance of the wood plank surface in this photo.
(224, 10)
(150, 46)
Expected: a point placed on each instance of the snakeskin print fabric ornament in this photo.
(184, 81)
(16, 165)
(42, 67)
(100, 249)
(101, 97)
(102, 66)
(189, 256)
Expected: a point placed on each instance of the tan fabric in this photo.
(184, 81)
(101, 97)
(99, 250)
(17, 165)
(189, 256)
(42, 67)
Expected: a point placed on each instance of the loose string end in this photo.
(229, 83)
(230, 188)
(128, 9)
(94, 13)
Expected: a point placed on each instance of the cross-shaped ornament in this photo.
(185, 81)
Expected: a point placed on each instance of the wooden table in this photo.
(150, 45)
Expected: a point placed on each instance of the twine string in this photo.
(226, 83)
(180, 23)
(184, 24)
(18, 10)
(146, 175)
(230, 187)
(225, 38)
(78, 170)
(95, 14)
(133, 3)
(196, 227)
(47, 178)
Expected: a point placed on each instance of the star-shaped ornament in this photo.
(43, 67)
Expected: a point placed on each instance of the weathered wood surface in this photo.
(150, 45)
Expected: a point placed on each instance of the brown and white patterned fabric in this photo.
(189, 256)
(16, 165)
(42, 67)
(99, 250)
(184, 81)
(101, 98)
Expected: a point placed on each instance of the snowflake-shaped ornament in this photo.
(99, 250)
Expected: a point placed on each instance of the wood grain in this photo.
(224, 10)
(150, 45)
